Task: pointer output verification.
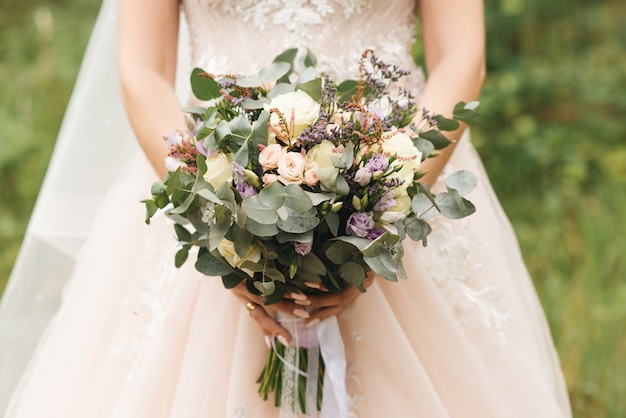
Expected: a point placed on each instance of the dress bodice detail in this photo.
(242, 36)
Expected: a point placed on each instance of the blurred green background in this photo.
(553, 140)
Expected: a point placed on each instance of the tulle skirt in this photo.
(463, 336)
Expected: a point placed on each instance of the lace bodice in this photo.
(242, 36)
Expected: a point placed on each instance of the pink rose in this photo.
(310, 176)
(291, 168)
(269, 156)
(268, 179)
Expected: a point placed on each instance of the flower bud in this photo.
(336, 206)
(356, 202)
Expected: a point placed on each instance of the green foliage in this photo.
(552, 139)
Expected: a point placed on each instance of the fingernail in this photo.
(301, 313)
(268, 341)
(313, 323)
(302, 302)
(298, 296)
(313, 285)
(283, 340)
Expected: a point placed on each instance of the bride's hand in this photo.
(297, 304)
(264, 314)
(330, 304)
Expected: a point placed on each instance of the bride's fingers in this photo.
(269, 325)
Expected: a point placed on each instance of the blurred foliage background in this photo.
(553, 140)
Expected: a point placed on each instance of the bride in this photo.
(464, 336)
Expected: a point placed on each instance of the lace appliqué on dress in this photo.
(151, 306)
(448, 259)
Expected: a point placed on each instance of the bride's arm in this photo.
(147, 45)
(454, 45)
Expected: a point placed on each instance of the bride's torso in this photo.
(242, 36)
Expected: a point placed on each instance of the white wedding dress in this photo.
(464, 336)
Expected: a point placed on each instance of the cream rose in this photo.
(400, 144)
(226, 248)
(219, 169)
(399, 211)
(321, 153)
(299, 105)
(269, 156)
(291, 168)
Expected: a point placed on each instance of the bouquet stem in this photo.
(273, 376)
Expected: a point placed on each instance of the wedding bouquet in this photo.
(290, 176)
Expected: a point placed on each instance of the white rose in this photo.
(400, 144)
(297, 105)
(226, 248)
(172, 164)
(321, 154)
(219, 169)
(399, 211)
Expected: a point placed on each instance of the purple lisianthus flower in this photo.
(241, 185)
(385, 202)
(363, 176)
(302, 248)
(375, 233)
(359, 224)
(378, 162)
(202, 149)
(175, 138)
(246, 190)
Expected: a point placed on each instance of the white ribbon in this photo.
(324, 337)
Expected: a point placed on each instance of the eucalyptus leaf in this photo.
(417, 229)
(341, 252)
(218, 231)
(212, 263)
(462, 181)
(259, 212)
(265, 288)
(298, 222)
(173, 180)
(312, 263)
(424, 146)
(274, 274)
(210, 196)
(328, 177)
(333, 221)
(438, 140)
(280, 89)
(353, 273)
(181, 256)
(295, 198)
(251, 104)
(360, 243)
(342, 187)
(249, 81)
(261, 230)
(182, 233)
(203, 86)
(313, 88)
(274, 71)
(379, 267)
(231, 281)
(151, 209)
(184, 206)
(317, 198)
(272, 196)
(453, 206)
(446, 124)
(283, 237)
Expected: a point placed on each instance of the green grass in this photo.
(41, 45)
(552, 140)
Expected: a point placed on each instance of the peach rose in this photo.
(291, 168)
(269, 156)
(310, 176)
